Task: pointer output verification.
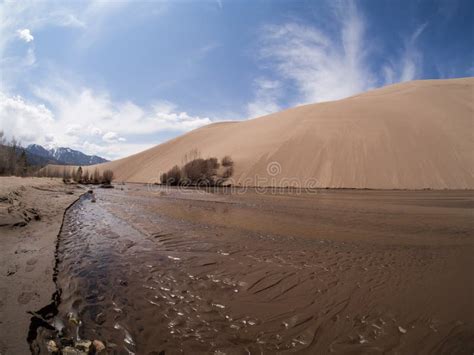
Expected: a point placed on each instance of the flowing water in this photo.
(155, 272)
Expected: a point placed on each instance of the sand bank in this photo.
(31, 213)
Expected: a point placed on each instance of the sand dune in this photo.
(409, 136)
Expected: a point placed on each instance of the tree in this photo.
(96, 176)
(77, 177)
(107, 177)
(22, 166)
(85, 177)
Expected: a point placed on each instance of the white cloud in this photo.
(24, 120)
(90, 121)
(266, 98)
(25, 35)
(322, 67)
(112, 137)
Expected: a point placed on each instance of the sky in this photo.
(113, 78)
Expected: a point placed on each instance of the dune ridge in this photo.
(411, 135)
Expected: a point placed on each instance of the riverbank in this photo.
(31, 213)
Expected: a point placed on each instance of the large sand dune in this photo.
(413, 135)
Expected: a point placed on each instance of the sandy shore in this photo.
(31, 213)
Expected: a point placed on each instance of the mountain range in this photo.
(38, 155)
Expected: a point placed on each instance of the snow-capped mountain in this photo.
(66, 156)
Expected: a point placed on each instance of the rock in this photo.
(69, 350)
(83, 345)
(72, 318)
(52, 347)
(58, 324)
(98, 345)
(100, 318)
(402, 330)
(93, 200)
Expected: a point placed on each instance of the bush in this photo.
(173, 177)
(227, 161)
(199, 172)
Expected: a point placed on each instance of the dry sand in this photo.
(31, 213)
(413, 135)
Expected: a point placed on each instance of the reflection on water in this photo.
(148, 273)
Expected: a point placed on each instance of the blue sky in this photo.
(116, 77)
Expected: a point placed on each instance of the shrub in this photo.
(227, 161)
(173, 177)
(228, 165)
(198, 172)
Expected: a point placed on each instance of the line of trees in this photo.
(13, 160)
(79, 175)
(199, 172)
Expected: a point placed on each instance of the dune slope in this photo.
(405, 136)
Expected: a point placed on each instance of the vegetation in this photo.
(81, 176)
(199, 171)
(107, 177)
(13, 160)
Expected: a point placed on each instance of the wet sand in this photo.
(153, 271)
(31, 213)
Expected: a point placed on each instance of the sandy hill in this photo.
(412, 135)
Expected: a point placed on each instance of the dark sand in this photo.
(344, 272)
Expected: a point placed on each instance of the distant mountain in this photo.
(63, 156)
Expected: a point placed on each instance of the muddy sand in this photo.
(155, 271)
(31, 213)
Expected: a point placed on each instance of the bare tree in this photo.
(96, 176)
(77, 176)
(107, 177)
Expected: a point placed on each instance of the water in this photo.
(148, 274)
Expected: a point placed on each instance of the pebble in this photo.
(98, 345)
(52, 347)
(402, 330)
(83, 345)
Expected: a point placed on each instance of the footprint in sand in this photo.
(26, 297)
(32, 261)
(12, 269)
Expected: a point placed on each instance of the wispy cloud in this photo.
(329, 65)
(267, 93)
(409, 65)
(322, 66)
